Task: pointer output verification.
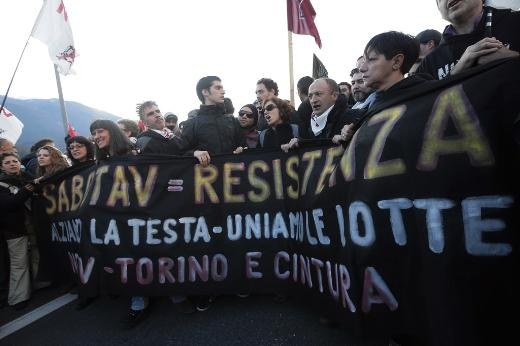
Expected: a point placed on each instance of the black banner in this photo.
(410, 229)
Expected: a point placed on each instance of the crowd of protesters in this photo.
(391, 63)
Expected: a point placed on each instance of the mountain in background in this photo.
(42, 119)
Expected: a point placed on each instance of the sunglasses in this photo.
(77, 146)
(269, 107)
(149, 114)
(247, 114)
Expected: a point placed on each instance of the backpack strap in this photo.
(261, 137)
(295, 131)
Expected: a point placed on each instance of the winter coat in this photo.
(12, 204)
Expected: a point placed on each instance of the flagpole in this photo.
(14, 73)
(62, 102)
(291, 70)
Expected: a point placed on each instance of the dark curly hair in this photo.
(81, 140)
(269, 85)
(284, 107)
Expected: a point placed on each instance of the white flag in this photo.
(52, 27)
(513, 4)
(10, 126)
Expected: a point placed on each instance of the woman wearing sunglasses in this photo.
(248, 118)
(278, 115)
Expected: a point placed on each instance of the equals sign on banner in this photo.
(175, 185)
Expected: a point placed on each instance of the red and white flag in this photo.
(10, 126)
(52, 27)
(300, 19)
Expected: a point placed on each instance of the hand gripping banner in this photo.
(412, 228)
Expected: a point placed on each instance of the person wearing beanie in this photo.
(428, 41)
(248, 119)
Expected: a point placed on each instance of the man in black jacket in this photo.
(211, 132)
(157, 139)
(464, 43)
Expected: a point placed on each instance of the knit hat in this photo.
(429, 35)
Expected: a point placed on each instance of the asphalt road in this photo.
(256, 320)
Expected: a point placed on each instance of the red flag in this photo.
(300, 19)
(72, 131)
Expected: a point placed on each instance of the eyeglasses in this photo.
(247, 114)
(270, 107)
(76, 146)
(157, 111)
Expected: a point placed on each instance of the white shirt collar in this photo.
(166, 132)
(318, 122)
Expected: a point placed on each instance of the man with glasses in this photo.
(157, 139)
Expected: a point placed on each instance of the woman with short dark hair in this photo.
(387, 59)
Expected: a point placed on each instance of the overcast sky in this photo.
(132, 51)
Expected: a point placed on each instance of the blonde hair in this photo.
(58, 162)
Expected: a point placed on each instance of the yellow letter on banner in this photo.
(257, 182)
(311, 157)
(375, 168)
(76, 192)
(47, 193)
(291, 166)
(119, 188)
(97, 187)
(453, 105)
(144, 194)
(230, 181)
(329, 168)
(204, 177)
